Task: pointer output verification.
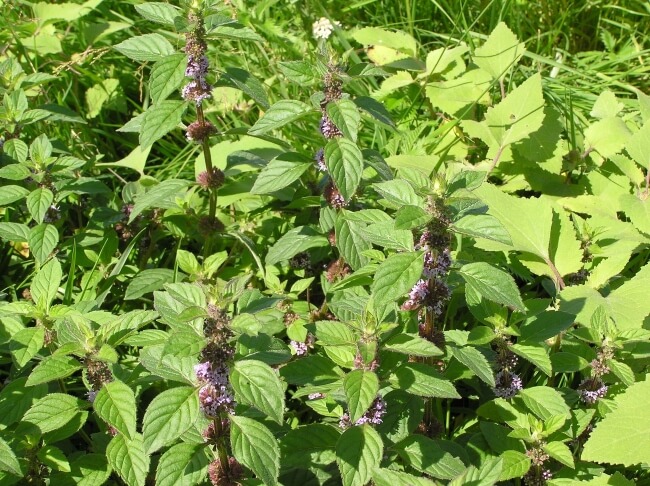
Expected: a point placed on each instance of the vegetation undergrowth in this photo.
(386, 243)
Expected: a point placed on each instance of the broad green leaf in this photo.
(345, 115)
(106, 93)
(545, 402)
(345, 164)
(11, 194)
(246, 82)
(159, 196)
(38, 203)
(148, 47)
(167, 366)
(16, 398)
(168, 416)
(487, 475)
(46, 283)
(638, 210)
(396, 276)
(428, 457)
(422, 380)
(166, 75)
(14, 172)
(375, 36)
(412, 345)
(299, 72)
(8, 460)
(607, 137)
(25, 344)
(159, 120)
(53, 411)
(500, 52)
(43, 240)
(385, 235)
(482, 226)
(622, 371)
(128, 459)
(14, 232)
(294, 241)
(115, 403)
(256, 384)
(358, 452)
(606, 105)
(545, 325)
(492, 283)
(475, 361)
(280, 114)
(560, 452)
(16, 149)
(515, 465)
(375, 109)
(409, 217)
(454, 95)
(311, 444)
(54, 457)
(254, 446)
(183, 465)
(279, 173)
(148, 281)
(398, 193)
(623, 436)
(361, 387)
(446, 61)
(351, 242)
(638, 145)
(53, 368)
(536, 354)
(388, 477)
(161, 13)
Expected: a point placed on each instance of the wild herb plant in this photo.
(390, 271)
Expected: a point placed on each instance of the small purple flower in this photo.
(316, 396)
(299, 348)
(203, 371)
(196, 67)
(507, 384)
(591, 390)
(91, 395)
(417, 295)
(320, 160)
(197, 90)
(215, 399)
(437, 267)
(373, 416)
(328, 128)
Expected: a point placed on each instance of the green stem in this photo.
(208, 166)
(221, 447)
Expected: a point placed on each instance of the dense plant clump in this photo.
(254, 244)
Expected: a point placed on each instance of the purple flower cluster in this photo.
(320, 160)
(316, 396)
(197, 67)
(198, 89)
(328, 128)
(374, 415)
(299, 348)
(417, 295)
(507, 384)
(215, 395)
(591, 390)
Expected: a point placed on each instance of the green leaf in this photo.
(38, 203)
(638, 210)
(158, 196)
(409, 217)
(545, 325)
(422, 380)
(14, 232)
(279, 173)
(16, 399)
(167, 74)
(148, 47)
(46, 283)
(53, 411)
(299, 72)
(8, 460)
(25, 344)
(128, 459)
(412, 345)
(115, 403)
(375, 109)
(11, 194)
(637, 146)
(53, 368)
(183, 465)
(54, 457)
(622, 371)
(246, 82)
(16, 149)
(168, 416)
(254, 446)
(358, 452)
(311, 444)
(501, 51)
(623, 436)
(280, 114)
(162, 13)
(345, 164)
(607, 137)
(475, 361)
(396, 276)
(294, 241)
(482, 226)
(148, 281)
(345, 115)
(159, 120)
(361, 387)
(351, 242)
(388, 477)
(536, 354)
(375, 36)
(398, 193)
(256, 384)
(560, 452)
(43, 240)
(515, 465)
(545, 402)
(492, 283)
(428, 457)
(385, 235)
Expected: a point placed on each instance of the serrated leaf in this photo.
(388, 477)
(623, 436)
(492, 283)
(43, 240)
(560, 452)
(280, 114)
(515, 465)
(300, 72)
(279, 173)
(375, 109)
(500, 52)
(161, 13)
(638, 145)
(482, 226)
(166, 75)
(168, 416)
(311, 444)
(545, 402)
(115, 403)
(427, 456)
(25, 344)
(16, 399)
(38, 203)
(54, 457)
(158, 196)
(409, 217)
(254, 446)
(52, 412)
(396, 276)
(358, 452)
(475, 361)
(351, 242)
(294, 241)
(536, 354)
(344, 162)
(128, 459)
(14, 232)
(159, 120)
(422, 380)
(412, 345)
(11, 194)
(256, 384)
(148, 47)
(53, 368)
(345, 115)
(46, 283)
(148, 281)
(246, 82)
(8, 460)
(607, 137)
(360, 387)
(183, 465)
